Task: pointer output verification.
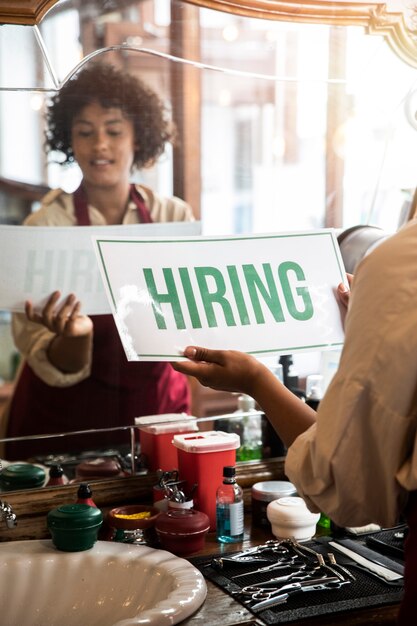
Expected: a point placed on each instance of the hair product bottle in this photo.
(229, 508)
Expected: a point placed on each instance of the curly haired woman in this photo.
(75, 375)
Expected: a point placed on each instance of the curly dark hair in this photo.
(111, 88)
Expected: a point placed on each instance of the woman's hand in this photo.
(70, 348)
(343, 292)
(229, 370)
(64, 320)
(343, 297)
(226, 370)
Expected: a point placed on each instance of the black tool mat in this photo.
(390, 541)
(364, 592)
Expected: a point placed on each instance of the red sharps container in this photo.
(156, 432)
(201, 458)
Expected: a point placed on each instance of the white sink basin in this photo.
(113, 584)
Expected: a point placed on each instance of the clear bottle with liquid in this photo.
(229, 508)
(251, 437)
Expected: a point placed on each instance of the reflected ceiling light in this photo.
(230, 32)
(271, 35)
(352, 135)
(134, 41)
(225, 98)
(109, 18)
(410, 108)
(278, 146)
(36, 102)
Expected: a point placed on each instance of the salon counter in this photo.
(220, 609)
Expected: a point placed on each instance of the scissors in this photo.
(265, 589)
(285, 562)
(279, 598)
(272, 545)
(221, 562)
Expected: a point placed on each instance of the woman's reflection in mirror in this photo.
(75, 374)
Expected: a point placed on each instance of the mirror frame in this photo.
(374, 16)
(25, 12)
(377, 20)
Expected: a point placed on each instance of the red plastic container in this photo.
(182, 531)
(201, 458)
(156, 432)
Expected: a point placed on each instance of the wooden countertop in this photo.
(220, 609)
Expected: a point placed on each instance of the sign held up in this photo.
(35, 261)
(262, 294)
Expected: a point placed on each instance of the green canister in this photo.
(21, 476)
(74, 527)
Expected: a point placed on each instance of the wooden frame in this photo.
(27, 12)
(373, 16)
(31, 507)
(376, 19)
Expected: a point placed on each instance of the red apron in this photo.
(115, 393)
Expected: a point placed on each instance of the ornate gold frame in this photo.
(27, 12)
(374, 17)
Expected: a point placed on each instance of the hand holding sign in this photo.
(220, 369)
(62, 319)
(229, 370)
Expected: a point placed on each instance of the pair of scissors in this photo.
(285, 562)
(284, 593)
(275, 585)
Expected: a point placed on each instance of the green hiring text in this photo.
(214, 288)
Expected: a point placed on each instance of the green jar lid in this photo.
(74, 527)
(74, 517)
(22, 476)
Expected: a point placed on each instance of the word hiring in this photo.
(73, 270)
(221, 289)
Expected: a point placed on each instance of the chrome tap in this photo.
(6, 512)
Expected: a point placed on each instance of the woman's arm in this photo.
(229, 370)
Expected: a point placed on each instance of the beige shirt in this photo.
(358, 461)
(57, 209)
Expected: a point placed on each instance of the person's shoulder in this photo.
(165, 209)
(57, 209)
(400, 243)
(389, 264)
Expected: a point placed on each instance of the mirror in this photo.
(261, 100)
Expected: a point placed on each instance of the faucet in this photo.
(6, 512)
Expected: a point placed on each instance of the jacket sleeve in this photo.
(32, 340)
(358, 462)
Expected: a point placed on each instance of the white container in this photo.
(291, 519)
(265, 492)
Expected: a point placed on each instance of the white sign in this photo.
(35, 261)
(262, 294)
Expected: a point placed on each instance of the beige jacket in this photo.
(359, 461)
